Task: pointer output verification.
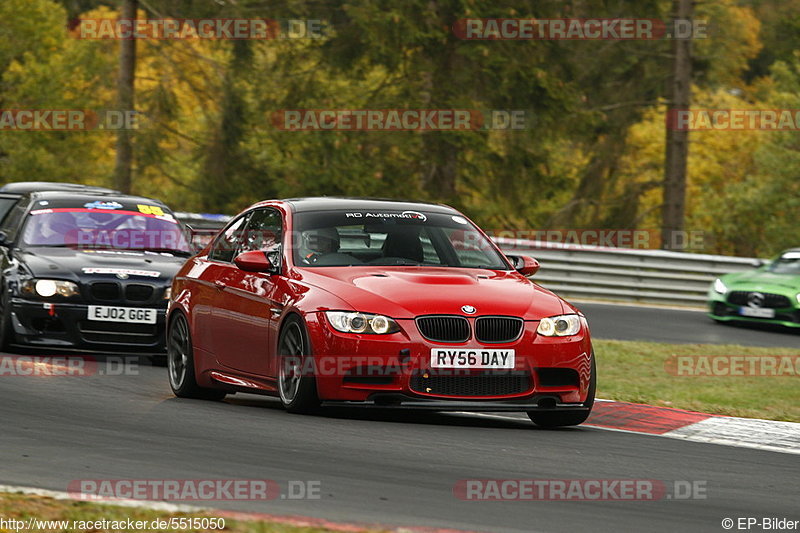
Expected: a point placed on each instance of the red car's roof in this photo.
(379, 204)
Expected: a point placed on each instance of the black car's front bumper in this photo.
(65, 326)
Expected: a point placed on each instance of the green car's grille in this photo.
(763, 299)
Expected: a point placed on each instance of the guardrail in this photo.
(626, 275)
(601, 273)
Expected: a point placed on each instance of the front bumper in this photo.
(64, 326)
(541, 402)
(721, 310)
(550, 373)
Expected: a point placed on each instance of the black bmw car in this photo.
(88, 271)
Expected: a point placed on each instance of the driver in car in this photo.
(318, 242)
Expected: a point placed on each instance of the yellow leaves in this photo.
(733, 39)
(717, 159)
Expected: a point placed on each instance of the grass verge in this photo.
(48, 511)
(634, 371)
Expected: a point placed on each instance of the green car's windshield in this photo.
(788, 263)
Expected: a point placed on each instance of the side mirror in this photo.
(527, 266)
(3, 238)
(259, 261)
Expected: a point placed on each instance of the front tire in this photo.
(297, 387)
(554, 419)
(180, 363)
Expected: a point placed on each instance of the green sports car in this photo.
(769, 294)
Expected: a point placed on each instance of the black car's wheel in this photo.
(553, 419)
(180, 363)
(6, 330)
(297, 387)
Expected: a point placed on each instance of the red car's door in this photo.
(244, 307)
(210, 274)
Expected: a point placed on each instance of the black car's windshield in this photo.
(788, 263)
(106, 225)
(402, 238)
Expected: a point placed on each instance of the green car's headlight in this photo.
(719, 286)
(47, 288)
(559, 326)
(354, 322)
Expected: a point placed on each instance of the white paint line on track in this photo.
(755, 433)
(769, 435)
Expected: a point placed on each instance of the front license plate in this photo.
(757, 312)
(137, 315)
(471, 358)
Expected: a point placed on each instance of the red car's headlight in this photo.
(354, 322)
(559, 326)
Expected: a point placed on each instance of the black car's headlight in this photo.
(559, 326)
(47, 288)
(354, 322)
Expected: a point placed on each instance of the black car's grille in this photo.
(494, 329)
(766, 299)
(113, 292)
(444, 328)
(138, 293)
(118, 332)
(105, 291)
(481, 384)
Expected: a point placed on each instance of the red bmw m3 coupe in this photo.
(347, 301)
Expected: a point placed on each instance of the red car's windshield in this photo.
(345, 238)
(98, 228)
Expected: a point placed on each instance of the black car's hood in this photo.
(77, 265)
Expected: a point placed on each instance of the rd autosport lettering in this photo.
(405, 214)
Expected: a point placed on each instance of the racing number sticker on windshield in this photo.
(150, 210)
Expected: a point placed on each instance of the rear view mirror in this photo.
(268, 261)
(527, 266)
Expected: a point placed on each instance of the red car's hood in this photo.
(409, 292)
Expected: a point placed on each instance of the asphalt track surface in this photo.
(623, 322)
(392, 468)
